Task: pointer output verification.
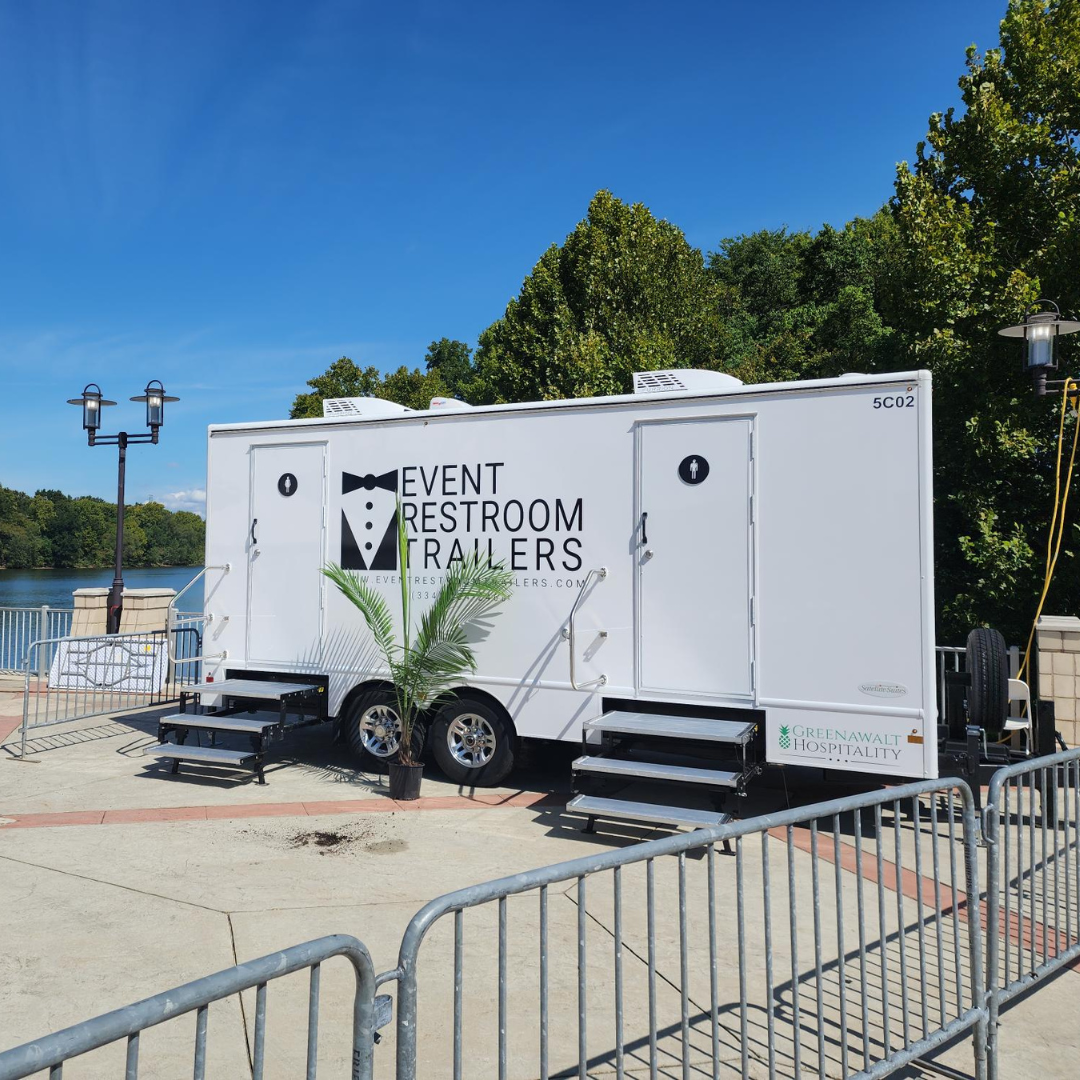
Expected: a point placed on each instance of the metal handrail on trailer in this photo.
(174, 619)
(571, 631)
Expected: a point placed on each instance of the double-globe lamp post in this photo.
(92, 403)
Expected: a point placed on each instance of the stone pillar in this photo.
(145, 609)
(1058, 638)
(91, 612)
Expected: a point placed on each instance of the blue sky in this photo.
(228, 196)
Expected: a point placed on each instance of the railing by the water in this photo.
(20, 627)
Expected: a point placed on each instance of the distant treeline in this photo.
(52, 529)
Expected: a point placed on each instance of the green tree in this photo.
(452, 360)
(52, 529)
(344, 378)
(989, 221)
(803, 306)
(625, 292)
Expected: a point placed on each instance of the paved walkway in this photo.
(119, 880)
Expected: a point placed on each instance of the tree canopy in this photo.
(52, 529)
(625, 292)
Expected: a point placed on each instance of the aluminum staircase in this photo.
(670, 761)
(242, 712)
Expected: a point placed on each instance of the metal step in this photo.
(249, 724)
(653, 770)
(208, 755)
(252, 688)
(661, 725)
(594, 806)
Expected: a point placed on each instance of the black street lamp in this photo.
(1040, 331)
(92, 403)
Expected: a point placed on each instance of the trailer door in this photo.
(694, 556)
(286, 550)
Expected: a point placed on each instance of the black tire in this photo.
(359, 726)
(988, 665)
(481, 765)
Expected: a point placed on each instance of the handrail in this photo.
(224, 568)
(128, 1022)
(601, 573)
(171, 621)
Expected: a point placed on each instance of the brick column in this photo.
(1058, 638)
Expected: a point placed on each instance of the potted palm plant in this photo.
(432, 656)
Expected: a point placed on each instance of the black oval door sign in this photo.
(693, 469)
(287, 484)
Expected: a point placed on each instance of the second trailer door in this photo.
(694, 554)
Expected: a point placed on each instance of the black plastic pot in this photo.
(405, 781)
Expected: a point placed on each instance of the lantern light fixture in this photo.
(155, 397)
(1040, 331)
(91, 403)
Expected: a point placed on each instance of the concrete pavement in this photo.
(118, 881)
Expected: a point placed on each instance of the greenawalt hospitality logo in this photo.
(840, 744)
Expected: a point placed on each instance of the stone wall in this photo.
(1058, 639)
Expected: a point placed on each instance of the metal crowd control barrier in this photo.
(804, 991)
(106, 673)
(670, 957)
(1032, 831)
(131, 1021)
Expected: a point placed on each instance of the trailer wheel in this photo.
(472, 743)
(988, 665)
(373, 729)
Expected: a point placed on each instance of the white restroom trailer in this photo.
(750, 554)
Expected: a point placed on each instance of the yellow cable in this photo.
(1057, 520)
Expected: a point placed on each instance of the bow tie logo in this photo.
(364, 553)
(351, 482)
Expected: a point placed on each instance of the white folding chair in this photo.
(1020, 691)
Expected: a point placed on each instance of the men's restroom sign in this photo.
(693, 469)
(287, 484)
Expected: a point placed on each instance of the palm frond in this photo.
(471, 590)
(372, 607)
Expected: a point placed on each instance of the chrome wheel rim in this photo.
(471, 740)
(380, 731)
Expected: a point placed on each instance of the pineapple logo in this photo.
(785, 737)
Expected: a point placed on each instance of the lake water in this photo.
(32, 588)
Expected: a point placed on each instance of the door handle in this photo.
(644, 518)
(254, 522)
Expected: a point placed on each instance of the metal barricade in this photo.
(776, 963)
(52, 1051)
(1032, 831)
(103, 674)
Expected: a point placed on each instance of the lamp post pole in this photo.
(91, 403)
(116, 592)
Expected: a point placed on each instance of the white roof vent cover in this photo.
(349, 408)
(661, 382)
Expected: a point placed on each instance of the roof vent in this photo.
(350, 408)
(665, 382)
(448, 404)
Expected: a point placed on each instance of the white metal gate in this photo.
(695, 488)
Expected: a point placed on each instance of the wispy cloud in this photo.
(193, 500)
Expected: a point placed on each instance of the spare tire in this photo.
(988, 665)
